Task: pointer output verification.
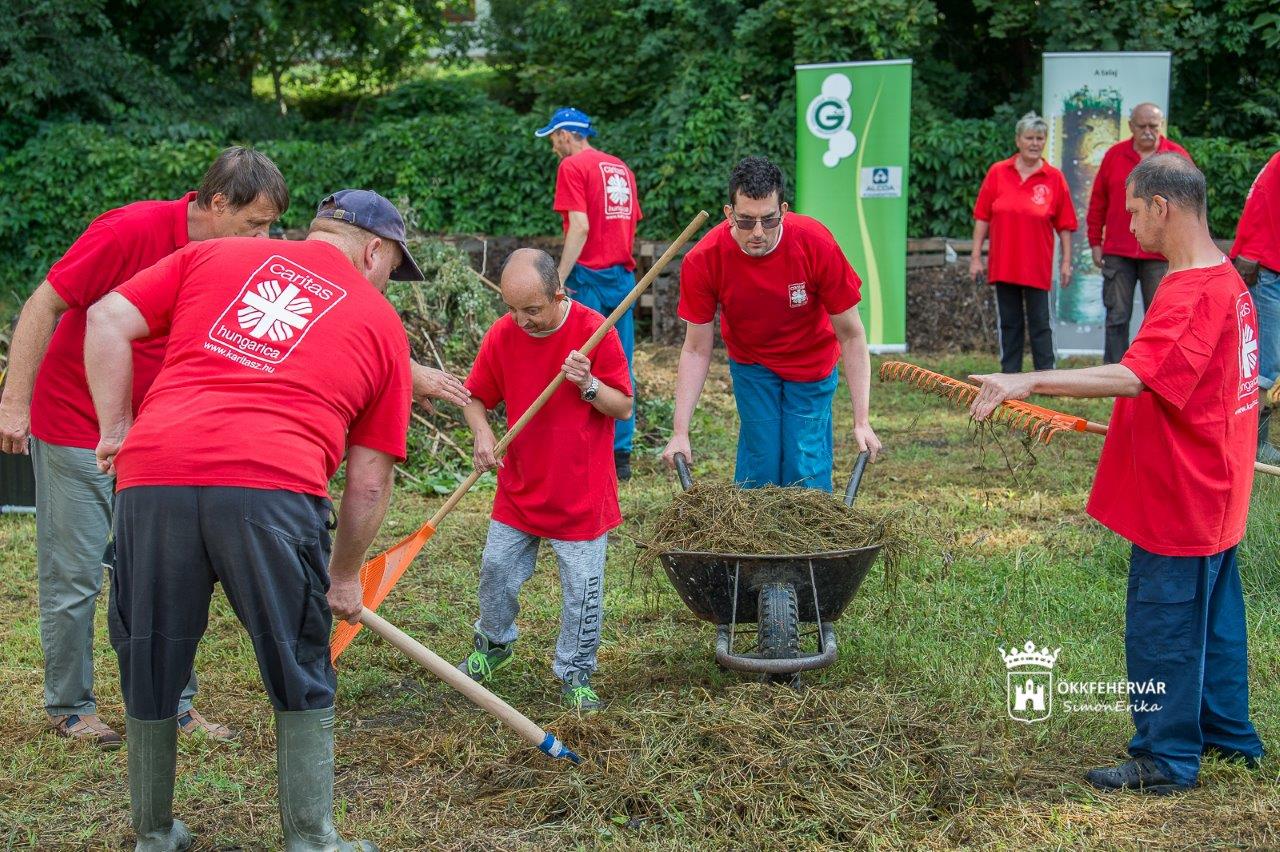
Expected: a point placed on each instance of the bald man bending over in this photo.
(1116, 252)
(557, 480)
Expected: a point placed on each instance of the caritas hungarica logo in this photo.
(829, 116)
(1029, 681)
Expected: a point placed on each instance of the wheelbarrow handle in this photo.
(682, 471)
(855, 478)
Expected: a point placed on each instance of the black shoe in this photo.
(1232, 756)
(622, 463)
(1139, 774)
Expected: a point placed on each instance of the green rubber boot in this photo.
(304, 763)
(153, 762)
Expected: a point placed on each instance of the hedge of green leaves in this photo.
(485, 173)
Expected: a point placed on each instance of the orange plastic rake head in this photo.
(1040, 423)
(377, 576)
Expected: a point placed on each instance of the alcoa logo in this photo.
(829, 116)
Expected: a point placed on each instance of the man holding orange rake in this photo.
(1182, 434)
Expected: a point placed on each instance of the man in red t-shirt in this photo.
(1123, 262)
(1256, 253)
(557, 480)
(1180, 441)
(597, 200)
(46, 410)
(282, 358)
(788, 313)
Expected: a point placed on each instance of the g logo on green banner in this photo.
(829, 116)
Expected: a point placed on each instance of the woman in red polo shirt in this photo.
(1022, 202)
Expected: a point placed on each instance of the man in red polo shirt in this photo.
(1256, 253)
(557, 480)
(46, 410)
(1181, 435)
(788, 313)
(282, 359)
(1123, 262)
(597, 199)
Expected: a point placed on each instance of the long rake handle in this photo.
(528, 730)
(593, 341)
(1100, 429)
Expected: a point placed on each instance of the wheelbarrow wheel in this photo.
(778, 631)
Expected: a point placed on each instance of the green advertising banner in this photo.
(853, 124)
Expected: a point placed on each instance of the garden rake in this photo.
(379, 575)
(1038, 422)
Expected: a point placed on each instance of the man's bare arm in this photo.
(574, 241)
(370, 475)
(30, 341)
(113, 324)
(691, 375)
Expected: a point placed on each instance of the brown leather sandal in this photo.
(76, 726)
(191, 723)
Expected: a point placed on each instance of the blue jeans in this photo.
(1185, 628)
(785, 433)
(603, 290)
(1266, 298)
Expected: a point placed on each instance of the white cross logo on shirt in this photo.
(273, 312)
(1248, 352)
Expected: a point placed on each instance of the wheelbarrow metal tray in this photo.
(705, 581)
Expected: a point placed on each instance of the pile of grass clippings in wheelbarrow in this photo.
(717, 517)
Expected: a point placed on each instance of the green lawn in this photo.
(903, 743)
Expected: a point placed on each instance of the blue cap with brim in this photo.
(573, 120)
(367, 209)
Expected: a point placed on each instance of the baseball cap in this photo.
(567, 118)
(366, 209)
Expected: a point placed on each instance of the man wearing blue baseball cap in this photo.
(284, 359)
(596, 197)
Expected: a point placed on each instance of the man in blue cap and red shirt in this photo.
(283, 358)
(596, 197)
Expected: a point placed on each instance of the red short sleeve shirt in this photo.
(558, 478)
(116, 245)
(1177, 466)
(280, 356)
(1024, 216)
(1258, 234)
(603, 187)
(774, 310)
(1107, 220)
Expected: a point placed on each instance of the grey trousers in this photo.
(73, 523)
(507, 564)
(1120, 278)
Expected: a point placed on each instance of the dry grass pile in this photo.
(718, 517)
(758, 768)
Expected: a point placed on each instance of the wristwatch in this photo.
(592, 389)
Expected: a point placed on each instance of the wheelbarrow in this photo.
(777, 592)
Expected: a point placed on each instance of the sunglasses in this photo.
(768, 223)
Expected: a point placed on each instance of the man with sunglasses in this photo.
(788, 314)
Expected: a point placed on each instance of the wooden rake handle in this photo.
(528, 730)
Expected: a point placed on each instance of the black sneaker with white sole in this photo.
(1141, 774)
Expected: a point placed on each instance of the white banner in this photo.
(1087, 99)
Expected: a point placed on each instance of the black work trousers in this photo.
(1024, 311)
(270, 551)
(1120, 278)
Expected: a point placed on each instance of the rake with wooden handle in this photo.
(381, 573)
(529, 731)
(1038, 422)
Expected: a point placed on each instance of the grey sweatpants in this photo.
(73, 522)
(508, 562)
